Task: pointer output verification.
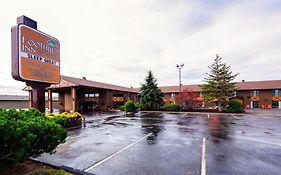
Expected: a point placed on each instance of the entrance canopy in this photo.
(80, 94)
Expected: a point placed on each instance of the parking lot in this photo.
(173, 143)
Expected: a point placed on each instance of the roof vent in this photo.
(84, 78)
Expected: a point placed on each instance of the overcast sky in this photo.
(118, 41)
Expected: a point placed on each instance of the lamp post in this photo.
(179, 67)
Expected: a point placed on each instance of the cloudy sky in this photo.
(117, 42)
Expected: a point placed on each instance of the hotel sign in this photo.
(35, 55)
(118, 99)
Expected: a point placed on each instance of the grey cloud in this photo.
(137, 36)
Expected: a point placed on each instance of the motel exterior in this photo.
(252, 94)
(80, 94)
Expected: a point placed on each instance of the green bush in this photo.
(234, 106)
(27, 133)
(122, 108)
(130, 106)
(172, 107)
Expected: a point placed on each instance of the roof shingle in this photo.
(90, 83)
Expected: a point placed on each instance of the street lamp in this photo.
(179, 67)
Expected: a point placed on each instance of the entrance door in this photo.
(254, 104)
(275, 104)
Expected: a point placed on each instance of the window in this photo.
(254, 93)
(91, 95)
(254, 104)
(236, 94)
(173, 95)
(275, 104)
(276, 92)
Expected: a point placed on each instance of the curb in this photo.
(63, 167)
(239, 114)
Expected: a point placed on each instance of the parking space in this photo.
(171, 143)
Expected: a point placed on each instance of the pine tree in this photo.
(151, 97)
(219, 86)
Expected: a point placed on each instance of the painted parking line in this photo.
(203, 158)
(184, 114)
(235, 116)
(116, 153)
(208, 115)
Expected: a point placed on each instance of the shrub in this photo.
(172, 107)
(122, 108)
(234, 106)
(67, 120)
(27, 133)
(130, 106)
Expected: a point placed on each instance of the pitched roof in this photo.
(13, 98)
(251, 85)
(89, 83)
(67, 81)
(171, 89)
(259, 85)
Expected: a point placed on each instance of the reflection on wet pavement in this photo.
(219, 127)
(233, 146)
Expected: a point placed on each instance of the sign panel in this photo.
(36, 56)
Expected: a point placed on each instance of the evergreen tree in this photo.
(150, 95)
(219, 86)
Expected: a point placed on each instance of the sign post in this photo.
(35, 59)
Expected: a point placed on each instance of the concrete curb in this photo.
(63, 167)
(223, 113)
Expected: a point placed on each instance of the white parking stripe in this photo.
(235, 116)
(203, 158)
(118, 152)
(208, 115)
(184, 114)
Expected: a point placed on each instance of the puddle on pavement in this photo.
(190, 130)
(219, 127)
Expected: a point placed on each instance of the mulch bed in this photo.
(28, 167)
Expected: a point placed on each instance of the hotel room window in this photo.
(236, 94)
(255, 93)
(276, 92)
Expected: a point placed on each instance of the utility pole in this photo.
(180, 67)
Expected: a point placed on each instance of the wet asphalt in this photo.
(170, 143)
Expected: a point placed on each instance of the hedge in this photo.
(28, 133)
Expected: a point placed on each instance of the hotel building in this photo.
(80, 94)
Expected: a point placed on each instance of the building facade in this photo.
(20, 102)
(80, 94)
(253, 94)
